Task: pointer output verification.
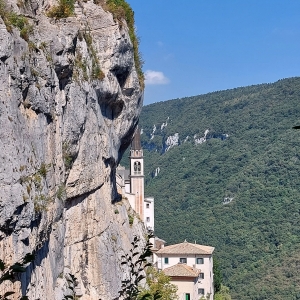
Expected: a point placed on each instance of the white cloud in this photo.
(169, 56)
(155, 77)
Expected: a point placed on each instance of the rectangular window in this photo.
(201, 275)
(199, 261)
(187, 297)
(166, 260)
(182, 260)
(148, 219)
(147, 205)
(200, 291)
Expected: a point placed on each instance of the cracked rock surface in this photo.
(64, 126)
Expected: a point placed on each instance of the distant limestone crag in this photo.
(70, 99)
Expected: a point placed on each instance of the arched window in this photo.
(137, 168)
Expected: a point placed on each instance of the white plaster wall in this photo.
(131, 199)
(149, 212)
(127, 187)
(184, 287)
(207, 282)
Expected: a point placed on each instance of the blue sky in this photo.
(195, 47)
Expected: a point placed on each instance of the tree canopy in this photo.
(158, 286)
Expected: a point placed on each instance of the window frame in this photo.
(183, 260)
(201, 289)
(199, 259)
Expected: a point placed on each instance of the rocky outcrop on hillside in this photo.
(70, 99)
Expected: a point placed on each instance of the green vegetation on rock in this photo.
(121, 10)
(11, 19)
(239, 190)
(96, 72)
(64, 9)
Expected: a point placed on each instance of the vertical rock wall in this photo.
(63, 128)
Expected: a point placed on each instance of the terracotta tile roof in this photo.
(181, 270)
(186, 248)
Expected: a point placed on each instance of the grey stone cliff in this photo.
(62, 134)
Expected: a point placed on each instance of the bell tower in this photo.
(137, 173)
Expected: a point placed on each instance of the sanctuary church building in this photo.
(189, 266)
(130, 183)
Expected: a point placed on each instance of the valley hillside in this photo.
(224, 170)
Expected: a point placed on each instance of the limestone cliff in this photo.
(70, 99)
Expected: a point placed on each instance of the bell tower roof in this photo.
(136, 142)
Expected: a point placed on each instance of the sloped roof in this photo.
(123, 173)
(187, 248)
(181, 270)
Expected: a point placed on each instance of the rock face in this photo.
(64, 126)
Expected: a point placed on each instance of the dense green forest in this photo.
(238, 190)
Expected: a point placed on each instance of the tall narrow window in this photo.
(166, 260)
(137, 168)
(187, 297)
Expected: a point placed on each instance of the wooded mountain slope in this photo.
(238, 188)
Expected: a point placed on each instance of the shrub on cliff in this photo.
(11, 19)
(64, 9)
(2, 9)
